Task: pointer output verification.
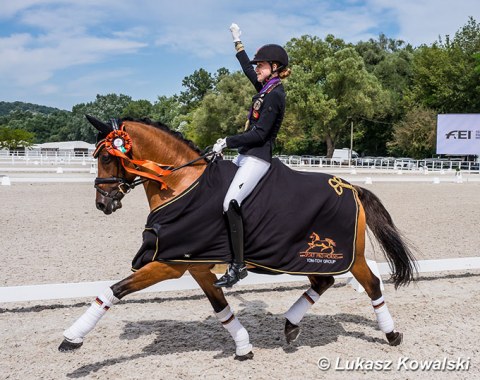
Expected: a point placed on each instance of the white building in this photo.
(60, 148)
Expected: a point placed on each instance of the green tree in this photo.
(291, 137)
(444, 74)
(221, 72)
(221, 112)
(330, 86)
(105, 107)
(414, 136)
(11, 138)
(167, 110)
(357, 94)
(8, 107)
(436, 78)
(477, 62)
(198, 85)
(306, 99)
(391, 62)
(467, 38)
(138, 109)
(61, 120)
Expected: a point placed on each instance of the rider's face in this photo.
(264, 70)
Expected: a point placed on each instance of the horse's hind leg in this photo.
(363, 274)
(205, 279)
(148, 275)
(371, 283)
(298, 310)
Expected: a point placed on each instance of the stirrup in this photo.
(234, 273)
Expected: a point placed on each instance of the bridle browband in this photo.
(118, 144)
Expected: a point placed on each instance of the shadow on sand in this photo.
(265, 330)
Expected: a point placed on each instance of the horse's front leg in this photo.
(205, 279)
(150, 274)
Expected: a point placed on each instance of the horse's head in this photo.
(158, 152)
(112, 182)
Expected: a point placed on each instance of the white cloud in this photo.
(54, 38)
(90, 83)
(27, 62)
(135, 32)
(422, 22)
(11, 8)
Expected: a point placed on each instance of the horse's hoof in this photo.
(291, 331)
(394, 338)
(244, 357)
(67, 346)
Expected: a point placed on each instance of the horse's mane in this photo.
(159, 125)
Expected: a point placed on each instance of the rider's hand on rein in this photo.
(220, 145)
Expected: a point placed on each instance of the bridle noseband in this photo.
(123, 187)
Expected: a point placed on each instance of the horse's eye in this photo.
(105, 158)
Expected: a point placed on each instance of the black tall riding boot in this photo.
(237, 269)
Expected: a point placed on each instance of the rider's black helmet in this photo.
(271, 53)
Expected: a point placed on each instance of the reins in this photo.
(118, 143)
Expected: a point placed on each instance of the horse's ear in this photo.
(99, 125)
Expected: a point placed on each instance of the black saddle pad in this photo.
(295, 222)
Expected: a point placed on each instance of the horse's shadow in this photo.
(265, 330)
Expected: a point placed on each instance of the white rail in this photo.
(91, 289)
(68, 157)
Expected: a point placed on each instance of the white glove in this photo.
(220, 145)
(236, 32)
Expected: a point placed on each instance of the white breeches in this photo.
(250, 171)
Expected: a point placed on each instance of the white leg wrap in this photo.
(225, 314)
(236, 330)
(89, 319)
(384, 319)
(298, 310)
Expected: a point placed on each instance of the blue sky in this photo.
(64, 52)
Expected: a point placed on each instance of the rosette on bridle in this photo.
(119, 140)
(118, 143)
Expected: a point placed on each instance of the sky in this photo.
(60, 53)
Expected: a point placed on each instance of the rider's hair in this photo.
(285, 73)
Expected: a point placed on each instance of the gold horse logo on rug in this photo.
(321, 248)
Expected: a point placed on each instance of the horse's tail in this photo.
(397, 251)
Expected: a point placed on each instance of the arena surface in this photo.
(52, 233)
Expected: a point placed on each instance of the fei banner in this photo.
(458, 134)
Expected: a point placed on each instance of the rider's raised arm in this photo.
(243, 58)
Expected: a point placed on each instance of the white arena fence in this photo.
(92, 289)
(387, 163)
(70, 157)
(39, 158)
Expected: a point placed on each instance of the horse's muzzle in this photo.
(110, 206)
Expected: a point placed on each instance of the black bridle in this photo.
(124, 187)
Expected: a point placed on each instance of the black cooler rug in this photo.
(295, 222)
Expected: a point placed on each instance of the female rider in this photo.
(255, 144)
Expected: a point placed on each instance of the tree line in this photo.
(388, 90)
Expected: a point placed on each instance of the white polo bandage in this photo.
(89, 319)
(298, 310)
(236, 330)
(384, 319)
